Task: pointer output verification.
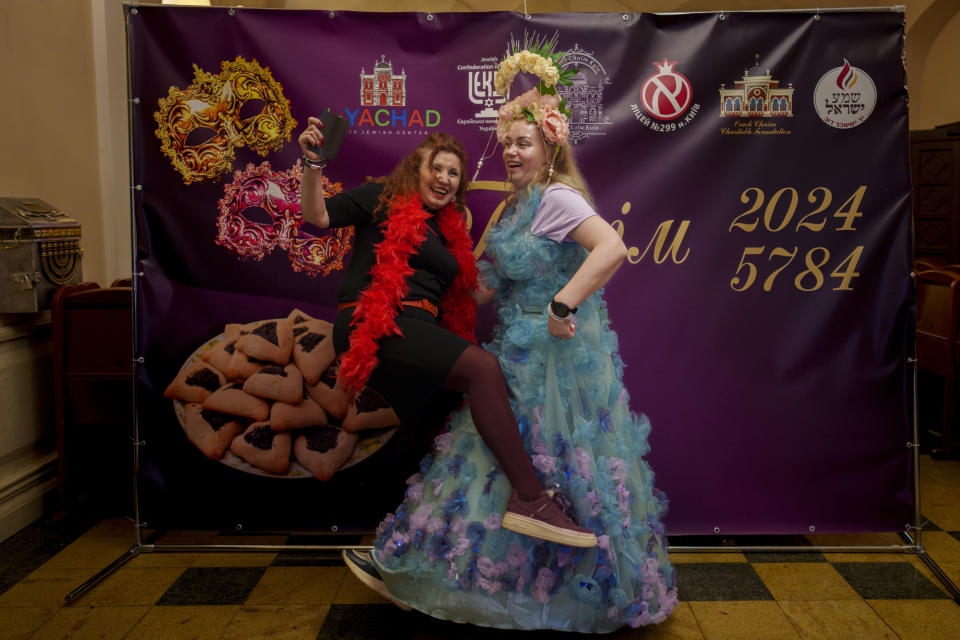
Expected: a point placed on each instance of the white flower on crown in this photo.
(544, 109)
(528, 62)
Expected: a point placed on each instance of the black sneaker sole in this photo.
(366, 573)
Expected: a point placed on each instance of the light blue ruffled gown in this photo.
(444, 552)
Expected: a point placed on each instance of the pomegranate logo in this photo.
(666, 94)
(667, 100)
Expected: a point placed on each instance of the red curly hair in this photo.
(405, 178)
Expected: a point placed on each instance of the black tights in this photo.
(477, 373)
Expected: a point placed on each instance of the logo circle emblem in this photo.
(845, 96)
(666, 94)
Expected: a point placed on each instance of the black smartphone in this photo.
(334, 129)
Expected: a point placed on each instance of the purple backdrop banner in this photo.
(755, 163)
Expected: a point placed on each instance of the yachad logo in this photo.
(383, 104)
(667, 99)
(481, 93)
(845, 96)
(585, 96)
(752, 100)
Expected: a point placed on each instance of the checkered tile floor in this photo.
(311, 595)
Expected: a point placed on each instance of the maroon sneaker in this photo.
(543, 518)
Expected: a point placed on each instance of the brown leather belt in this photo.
(426, 305)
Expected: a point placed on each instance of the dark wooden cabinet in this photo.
(935, 170)
(93, 378)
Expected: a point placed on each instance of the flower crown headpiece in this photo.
(541, 104)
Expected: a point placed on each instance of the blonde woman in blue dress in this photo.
(447, 551)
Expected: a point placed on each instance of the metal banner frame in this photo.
(912, 535)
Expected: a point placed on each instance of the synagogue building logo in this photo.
(384, 104)
(753, 99)
(383, 87)
(585, 96)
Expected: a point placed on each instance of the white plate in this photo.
(367, 445)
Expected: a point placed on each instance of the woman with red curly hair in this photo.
(407, 306)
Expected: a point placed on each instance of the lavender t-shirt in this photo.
(561, 210)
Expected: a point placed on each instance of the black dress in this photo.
(412, 367)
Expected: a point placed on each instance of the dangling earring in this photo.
(556, 152)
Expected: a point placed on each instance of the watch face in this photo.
(559, 309)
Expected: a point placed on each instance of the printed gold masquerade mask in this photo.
(200, 126)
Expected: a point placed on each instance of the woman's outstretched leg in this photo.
(531, 510)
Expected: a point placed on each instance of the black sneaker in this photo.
(361, 566)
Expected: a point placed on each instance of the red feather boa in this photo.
(404, 231)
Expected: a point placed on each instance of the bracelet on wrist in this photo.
(317, 165)
(564, 319)
(560, 309)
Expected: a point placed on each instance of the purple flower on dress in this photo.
(605, 418)
(453, 467)
(492, 521)
(437, 486)
(490, 586)
(667, 600)
(458, 549)
(618, 469)
(519, 355)
(566, 556)
(544, 464)
(434, 525)
(623, 497)
(603, 542)
(458, 525)
(516, 555)
(650, 571)
(581, 461)
(643, 619)
(419, 518)
(442, 442)
(594, 503)
(536, 442)
(397, 545)
(415, 492)
(524, 424)
(476, 533)
(490, 569)
(490, 476)
(438, 545)
(456, 503)
(385, 524)
(542, 585)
